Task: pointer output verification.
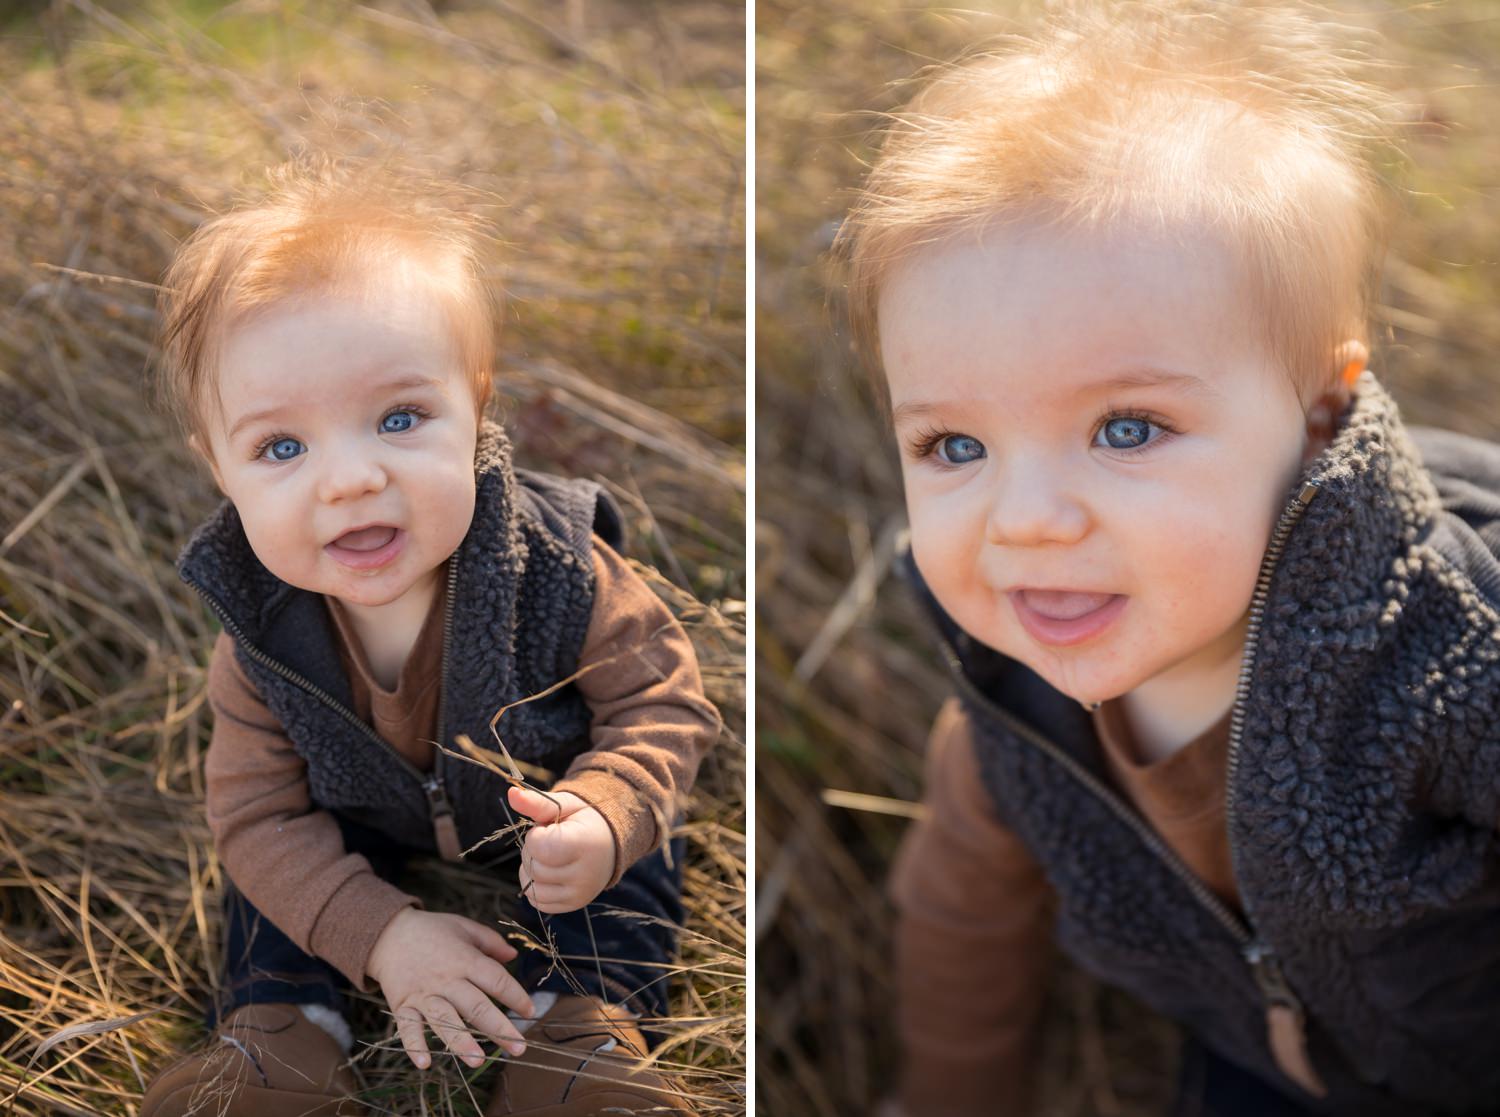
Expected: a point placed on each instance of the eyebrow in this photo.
(1144, 377)
(1148, 377)
(402, 383)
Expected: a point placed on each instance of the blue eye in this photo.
(960, 449)
(1126, 432)
(285, 449)
(404, 420)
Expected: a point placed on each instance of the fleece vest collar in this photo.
(1363, 789)
(520, 595)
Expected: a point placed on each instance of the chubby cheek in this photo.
(442, 482)
(948, 543)
(443, 487)
(280, 539)
(1201, 577)
(457, 514)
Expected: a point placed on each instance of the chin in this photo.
(1081, 683)
(371, 595)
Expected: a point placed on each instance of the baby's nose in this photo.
(347, 476)
(1033, 506)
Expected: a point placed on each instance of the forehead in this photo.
(323, 347)
(334, 321)
(1028, 310)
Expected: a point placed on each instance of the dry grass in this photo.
(847, 685)
(613, 134)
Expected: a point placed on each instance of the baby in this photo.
(1225, 633)
(387, 581)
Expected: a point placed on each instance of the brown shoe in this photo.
(266, 1061)
(579, 1062)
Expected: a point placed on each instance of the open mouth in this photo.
(367, 539)
(1064, 605)
(1064, 617)
(368, 548)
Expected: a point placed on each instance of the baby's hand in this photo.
(569, 857)
(441, 967)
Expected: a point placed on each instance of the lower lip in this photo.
(1060, 634)
(368, 560)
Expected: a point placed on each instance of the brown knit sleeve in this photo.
(286, 857)
(973, 944)
(651, 725)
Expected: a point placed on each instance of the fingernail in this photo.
(421, 1062)
(516, 1048)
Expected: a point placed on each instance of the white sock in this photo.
(331, 1022)
(543, 1002)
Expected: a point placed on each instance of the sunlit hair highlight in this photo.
(1247, 120)
(321, 226)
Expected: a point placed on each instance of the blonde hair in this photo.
(322, 226)
(1241, 118)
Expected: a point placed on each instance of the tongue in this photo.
(1065, 606)
(368, 539)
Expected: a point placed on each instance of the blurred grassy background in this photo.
(847, 685)
(611, 134)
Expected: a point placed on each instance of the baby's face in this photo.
(1153, 496)
(342, 412)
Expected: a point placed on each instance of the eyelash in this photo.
(271, 440)
(924, 443)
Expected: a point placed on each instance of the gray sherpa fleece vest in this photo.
(520, 595)
(1363, 790)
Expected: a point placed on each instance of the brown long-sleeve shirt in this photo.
(651, 726)
(974, 933)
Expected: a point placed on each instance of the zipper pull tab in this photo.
(1286, 1024)
(444, 826)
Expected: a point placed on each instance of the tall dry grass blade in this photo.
(90, 1028)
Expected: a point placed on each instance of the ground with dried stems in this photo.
(611, 138)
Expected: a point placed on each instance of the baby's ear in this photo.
(1351, 358)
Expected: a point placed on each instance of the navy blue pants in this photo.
(626, 960)
(1209, 1086)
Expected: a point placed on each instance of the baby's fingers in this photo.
(536, 878)
(413, 1036)
(551, 846)
(492, 943)
(494, 980)
(534, 805)
(551, 874)
(554, 899)
(481, 1012)
(445, 1023)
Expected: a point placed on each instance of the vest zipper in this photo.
(439, 808)
(1285, 1016)
(1264, 964)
